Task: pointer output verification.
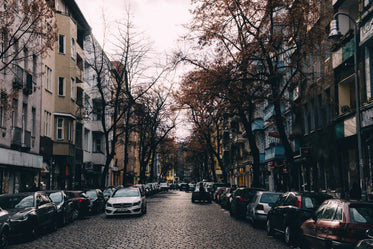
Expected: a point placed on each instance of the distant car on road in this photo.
(201, 193)
(164, 186)
(126, 201)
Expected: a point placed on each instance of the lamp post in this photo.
(336, 34)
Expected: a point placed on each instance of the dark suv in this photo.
(290, 211)
(240, 198)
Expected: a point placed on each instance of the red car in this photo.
(338, 223)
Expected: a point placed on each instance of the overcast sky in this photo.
(160, 20)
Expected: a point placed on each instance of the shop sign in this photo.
(366, 30)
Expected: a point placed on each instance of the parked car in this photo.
(338, 223)
(259, 206)
(4, 228)
(164, 186)
(290, 211)
(108, 192)
(240, 198)
(97, 200)
(29, 212)
(184, 186)
(126, 201)
(366, 243)
(217, 193)
(65, 206)
(225, 199)
(201, 193)
(191, 187)
(141, 187)
(81, 203)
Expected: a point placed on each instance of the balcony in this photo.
(274, 152)
(257, 125)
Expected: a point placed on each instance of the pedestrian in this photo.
(355, 192)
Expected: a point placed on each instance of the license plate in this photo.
(122, 209)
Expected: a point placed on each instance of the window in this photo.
(320, 121)
(2, 123)
(48, 80)
(15, 113)
(86, 137)
(47, 123)
(34, 64)
(60, 128)
(24, 116)
(70, 131)
(73, 89)
(33, 121)
(61, 86)
(97, 145)
(61, 44)
(73, 48)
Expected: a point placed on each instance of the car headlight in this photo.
(19, 217)
(137, 203)
(109, 204)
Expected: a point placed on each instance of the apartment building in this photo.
(20, 104)
(94, 142)
(62, 99)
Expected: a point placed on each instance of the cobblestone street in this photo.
(172, 221)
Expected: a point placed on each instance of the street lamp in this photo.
(336, 34)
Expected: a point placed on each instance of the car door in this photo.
(41, 210)
(276, 211)
(50, 208)
(310, 227)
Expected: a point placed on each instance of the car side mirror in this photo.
(314, 217)
(369, 233)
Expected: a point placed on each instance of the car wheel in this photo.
(4, 239)
(288, 236)
(75, 213)
(269, 228)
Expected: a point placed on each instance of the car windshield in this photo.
(56, 197)
(91, 193)
(248, 194)
(127, 193)
(313, 202)
(19, 201)
(108, 191)
(269, 197)
(361, 214)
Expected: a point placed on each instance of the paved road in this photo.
(172, 221)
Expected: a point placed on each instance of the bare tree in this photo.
(24, 26)
(121, 81)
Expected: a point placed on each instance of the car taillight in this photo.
(298, 202)
(259, 207)
(80, 200)
(241, 199)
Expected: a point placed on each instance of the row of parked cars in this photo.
(28, 213)
(304, 219)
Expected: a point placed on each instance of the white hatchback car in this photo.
(126, 201)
